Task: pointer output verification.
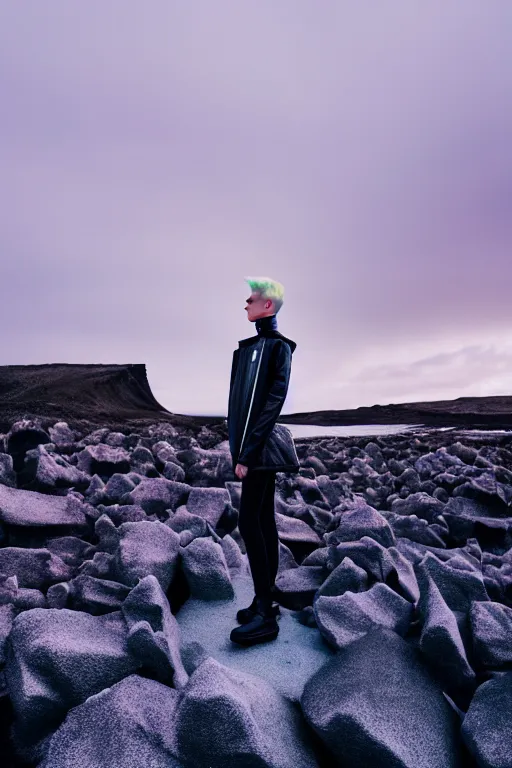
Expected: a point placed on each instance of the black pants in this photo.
(257, 526)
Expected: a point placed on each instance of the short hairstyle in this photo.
(269, 289)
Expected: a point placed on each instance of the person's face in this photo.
(257, 307)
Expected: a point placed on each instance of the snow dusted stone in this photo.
(129, 724)
(232, 553)
(458, 581)
(435, 462)
(103, 459)
(95, 491)
(375, 704)
(491, 625)
(145, 548)
(382, 564)
(156, 495)
(30, 508)
(469, 518)
(362, 520)
(95, 596)
(294, 530)
(61, 435)
(441, 639)
(465, 453)
(208, 503)
(346, 577)
(344, 618)
(23, 436)
(419, 504)
(30, 598)
(101, 566)
(35, 568)
(49, 470)
(21, 597)
(486, 726)
(122, 513)
(415, 552)
(96, 437)
(486, 489)
(183, 520)
(414, 528)
(7, 615)
(8, 589)
(7, 473)
(56, 658)
(57, 596)
(297, 586)
(286, 558)
(410, 479)
(154, 635)
(72, 550)
(107, 533)
(117, 486)
(317, 557)
(229, 718)
(206, 570)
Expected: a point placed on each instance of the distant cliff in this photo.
(107, 395)
(493, 412)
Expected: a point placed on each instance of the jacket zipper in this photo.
(252, 396)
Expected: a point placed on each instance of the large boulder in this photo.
(229, 718)
(361, 521)
(486, 726)
(375, 704)
(344, 618)
(20, 507)
(129, 724)
(206, 570)
(153, 632)
(148, 547)
(34, 568)
(56, 659)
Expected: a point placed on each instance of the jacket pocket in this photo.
(278, 452)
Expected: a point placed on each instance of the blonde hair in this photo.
(269, 289)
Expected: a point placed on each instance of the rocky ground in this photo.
(395, 585)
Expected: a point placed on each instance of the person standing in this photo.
(260, 448)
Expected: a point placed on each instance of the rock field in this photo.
(395, 558)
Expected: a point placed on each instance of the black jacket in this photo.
(260, 375)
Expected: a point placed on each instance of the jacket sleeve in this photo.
(234, 366)
(255, 439)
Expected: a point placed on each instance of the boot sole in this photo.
(257, 639)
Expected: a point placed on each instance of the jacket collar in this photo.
(265, 324)
(267, 327)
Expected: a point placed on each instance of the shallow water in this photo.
(310, 430)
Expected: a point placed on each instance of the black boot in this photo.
(261, 628)
(245, 615)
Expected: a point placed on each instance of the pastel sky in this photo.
(154, 154)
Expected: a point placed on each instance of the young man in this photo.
(260, 376)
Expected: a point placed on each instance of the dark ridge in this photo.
(492, 412)
(85, 395)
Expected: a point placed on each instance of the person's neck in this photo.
(265, 324)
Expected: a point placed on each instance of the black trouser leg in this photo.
(257, 526)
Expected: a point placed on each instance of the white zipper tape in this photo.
(253, 390)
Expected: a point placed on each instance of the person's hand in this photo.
(241, 471)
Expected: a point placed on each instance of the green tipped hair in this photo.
(268, 289)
